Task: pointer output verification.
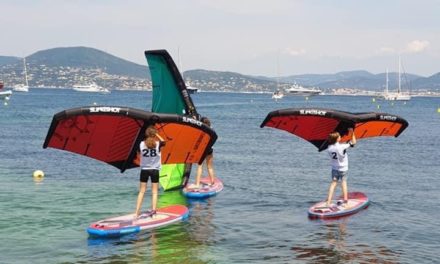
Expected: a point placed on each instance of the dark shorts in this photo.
(339, 175)
(210, 151)
(145, 174)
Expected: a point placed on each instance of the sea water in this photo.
(271, 178)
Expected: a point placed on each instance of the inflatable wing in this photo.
(315, 124)
(170, 96)
(113, 134)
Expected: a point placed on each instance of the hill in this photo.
(362, 80)
(83, 57)
(5, 60)
(66, 67)
(430, 83)
(317, 79)
(228, 81)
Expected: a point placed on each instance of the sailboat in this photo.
(278, 94)
(399, 95)
(23, 87)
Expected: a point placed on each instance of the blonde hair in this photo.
(333, 138)
(150, 137)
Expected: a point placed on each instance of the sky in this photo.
(254, 37)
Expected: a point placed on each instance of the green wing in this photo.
(169, 96)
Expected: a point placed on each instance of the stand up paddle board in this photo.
(356, 202)
(205, 190)
(127, 224)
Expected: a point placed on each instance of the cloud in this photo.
(295, 52)
(417, 46)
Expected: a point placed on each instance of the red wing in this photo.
(114, 137)
(315, 124)
(107, 138)
(314, 129)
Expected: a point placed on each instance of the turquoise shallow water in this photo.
(271, 178)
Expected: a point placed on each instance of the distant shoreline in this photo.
(363, 93)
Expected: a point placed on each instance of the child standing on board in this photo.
(208, 160)
(339, 160)
(150, 165)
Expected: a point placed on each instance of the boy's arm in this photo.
(162, 142)
(353, 137)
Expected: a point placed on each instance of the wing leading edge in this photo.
(171, 96)
(112, 135)
(169, 90)
(315, 124)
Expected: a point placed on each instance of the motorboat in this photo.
(192, 89)
(297, 89)
(278, 94)
(91, 88)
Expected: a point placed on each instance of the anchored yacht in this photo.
(91, 88)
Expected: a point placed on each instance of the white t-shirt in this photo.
(338, 156)
(150, 158)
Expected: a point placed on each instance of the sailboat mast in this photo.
(398, 87)
(386, 83)
(278, 71)
(25, 71)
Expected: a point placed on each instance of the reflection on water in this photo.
(335, 246)
(177, 243)
(202, 229)
(171, 198)
(38, 180)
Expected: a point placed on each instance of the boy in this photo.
(339, 161)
